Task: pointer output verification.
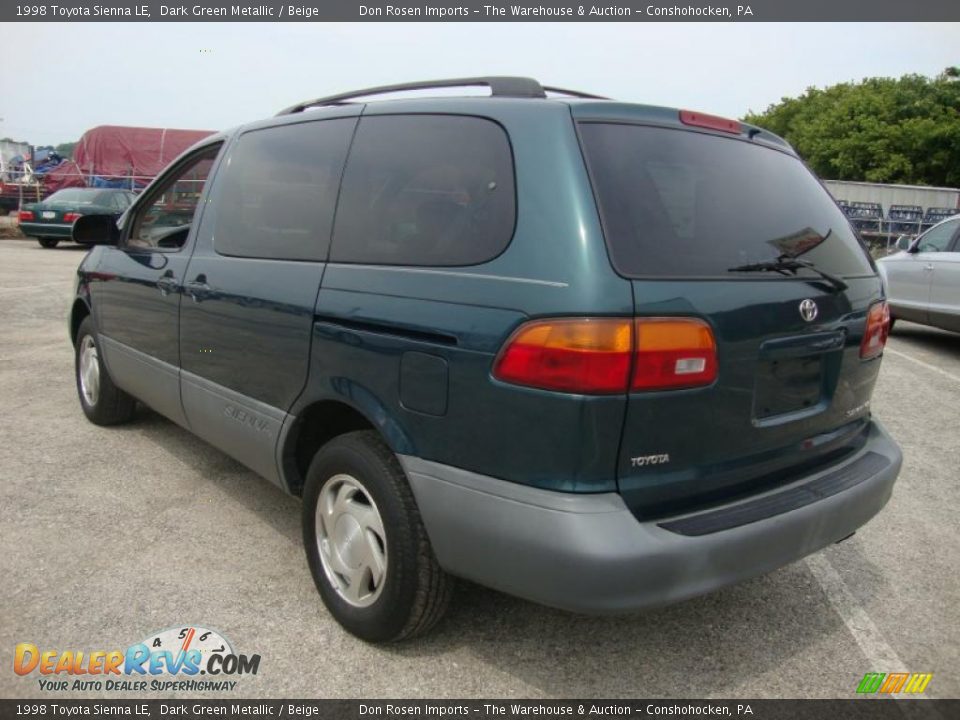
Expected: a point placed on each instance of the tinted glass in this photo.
(116, 201)
(426, 190)
(937, 239)
(278, 189)
(164, 220)
(676, 203)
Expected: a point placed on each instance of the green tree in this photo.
(887, 130)
(66, 149)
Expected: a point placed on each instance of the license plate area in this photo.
(48, 214)
(795, 376)
(788, 385)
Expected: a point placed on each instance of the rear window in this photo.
(77, 196)
(425, 190)
(676, 203)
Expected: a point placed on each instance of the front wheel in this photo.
(48, 243)
(366, 545)
(103, 402)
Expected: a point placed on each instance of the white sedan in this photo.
(923, 281)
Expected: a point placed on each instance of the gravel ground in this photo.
(8, 228)
(111, 534)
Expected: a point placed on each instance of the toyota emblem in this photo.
(808, 310)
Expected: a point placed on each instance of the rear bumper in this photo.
(57, 230)
(588, 553)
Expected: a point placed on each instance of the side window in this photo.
(426, 190)
(938, 239)
(118, 201)
(276, 193)
(163, 221)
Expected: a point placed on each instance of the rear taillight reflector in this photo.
(588, 355)
(71, 217)
(673, 353)
(877, 330)
(609, 355)
(24, 216)
(711, 122)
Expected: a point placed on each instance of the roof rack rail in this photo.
(500, 86)
(575, 93)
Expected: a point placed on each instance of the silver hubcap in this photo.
(351, 541)
(89, 370)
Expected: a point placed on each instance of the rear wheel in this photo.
(103, 402)
(48, 242)
(366, 545)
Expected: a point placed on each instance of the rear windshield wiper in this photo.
(789, 266)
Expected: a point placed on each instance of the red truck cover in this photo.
(64, 175)
(112, 151)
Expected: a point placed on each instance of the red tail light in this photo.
(71, 217)
(711, 122)
(596, 356)
(25, 216)
(877, 332)
(590, 355)
(673, 353)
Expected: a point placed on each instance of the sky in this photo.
(61, 79)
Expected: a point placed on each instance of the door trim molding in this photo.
(246, 429)
(150, 380)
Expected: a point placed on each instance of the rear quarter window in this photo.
(426, 190)
(678, 203)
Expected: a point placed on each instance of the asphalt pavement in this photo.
(111, 534)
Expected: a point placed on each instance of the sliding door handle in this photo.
(197, 288)
(167, 283)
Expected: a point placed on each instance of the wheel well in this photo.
(316, 426)
(79, 312)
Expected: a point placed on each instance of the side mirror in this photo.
(903, 242)
(96, 230)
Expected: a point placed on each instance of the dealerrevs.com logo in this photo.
(170, 660)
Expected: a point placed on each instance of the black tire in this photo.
(416, 591)
(48, 243)
(112, 405)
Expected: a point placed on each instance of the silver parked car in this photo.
(923, 281)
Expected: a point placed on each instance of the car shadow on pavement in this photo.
(723, 643)
(269, 502)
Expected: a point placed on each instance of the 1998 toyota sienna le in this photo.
(598, 355)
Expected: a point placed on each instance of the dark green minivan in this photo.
(598, 355)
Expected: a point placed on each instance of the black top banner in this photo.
(483, 11)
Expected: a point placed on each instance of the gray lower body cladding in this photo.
(588, 553)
